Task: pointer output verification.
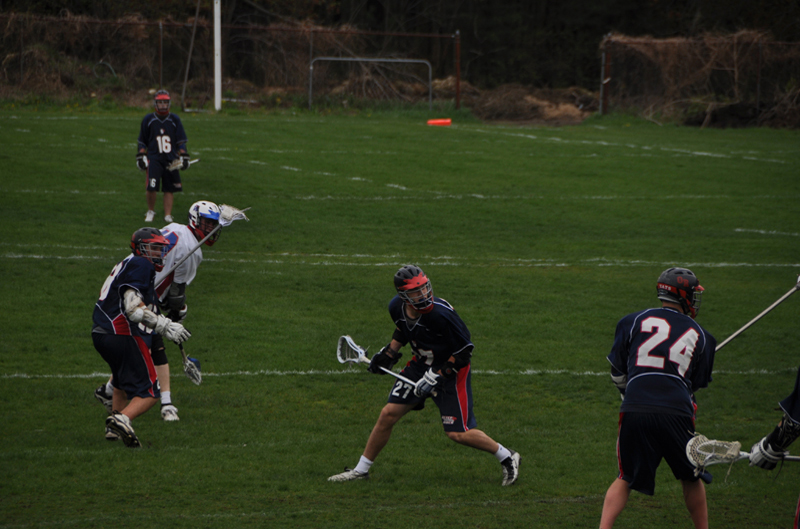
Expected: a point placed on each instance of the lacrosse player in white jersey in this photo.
(171, 289)
(440, 368)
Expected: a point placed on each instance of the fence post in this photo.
(458, 69)
(160, 55)
(605, 77)
(189, 57)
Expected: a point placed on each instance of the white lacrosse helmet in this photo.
(203, 218)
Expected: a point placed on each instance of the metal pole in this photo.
(160, 55)
(217, 55)
(458, 69)
(606, 80)
(602, 84)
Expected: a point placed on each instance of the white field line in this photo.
(340, 372)
(765, 232)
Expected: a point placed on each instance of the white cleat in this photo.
(150, 216)
(510, 469)
(169, 413)
(168, 218)
(349, 475)
(121, 425)
(105, 400)
(111, 435)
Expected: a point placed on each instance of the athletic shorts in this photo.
(647, 438)
(159, 177)
(132, 368)
(454, 397)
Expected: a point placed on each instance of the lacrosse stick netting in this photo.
(703, 452)
(349, 351)
(227, 214)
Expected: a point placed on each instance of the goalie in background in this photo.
(204, 216)
(659, 359)
(440, 367)
(123, 322)
(162, 141)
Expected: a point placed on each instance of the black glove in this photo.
(184, 161)
(141, 161)
(386, 358)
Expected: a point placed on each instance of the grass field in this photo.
(541, 238)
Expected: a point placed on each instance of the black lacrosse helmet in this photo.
(162, 102)
(681, 286)
(150, 244)
(414, 287)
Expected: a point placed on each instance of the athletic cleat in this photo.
(111, 435)
(510, 468)
(121, 425)
(105, 400)
(168, 218)
(169, 413)
(349, 475)
(150, 216)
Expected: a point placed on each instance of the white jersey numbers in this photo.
(680, 352)
(164, 144)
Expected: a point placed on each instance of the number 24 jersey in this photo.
(667, 356)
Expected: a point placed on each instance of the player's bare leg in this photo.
(616, 499)
(694, 494)
(382, 431)
(169, 198)
(151, 205)
(475, 439)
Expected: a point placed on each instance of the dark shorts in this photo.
(132, 368)
(454, 397)
(159, 177)
(647, 438)
(791, 404)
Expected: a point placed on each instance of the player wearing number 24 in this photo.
(659, 359)
(440, 368)
(162, 141)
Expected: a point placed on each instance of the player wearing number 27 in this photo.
(162, 141)
(440, 368)
(659, 359)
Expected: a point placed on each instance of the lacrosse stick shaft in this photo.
(764, 313)
(398, 376)
(199, 244)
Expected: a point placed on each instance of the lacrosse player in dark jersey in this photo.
(162, 141)
(769, 451)
(124, 319)
(659, 359)
(440, 368)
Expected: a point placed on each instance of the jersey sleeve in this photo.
(618, 357)
(180, 134)
(704, 362)
(143, 134)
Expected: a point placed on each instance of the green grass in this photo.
(541, 238)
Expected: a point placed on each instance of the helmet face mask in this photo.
(203, 218)
(162, 103)
(150, 244)
(681, 286)
(414, 288)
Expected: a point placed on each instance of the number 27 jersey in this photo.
(667, 356)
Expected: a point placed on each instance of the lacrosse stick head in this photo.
(229, 213)
(703, 452)
(204, 216)
(191, 366)
(349, 351)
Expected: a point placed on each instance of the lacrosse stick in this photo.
(176, 164)
(227, 214)
(348, 352)
(190, 368)
(751, 322)
(703, 452)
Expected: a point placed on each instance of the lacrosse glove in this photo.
(386, 358)
(141, 161)
(184, 161)
(426, 384)
(763, 456)
(178, 315)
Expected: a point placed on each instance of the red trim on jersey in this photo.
(461, 393)
(148, 361)
(165, 284)
(121, 325)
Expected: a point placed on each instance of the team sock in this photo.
(363, 465)
(502, 453)
(166, 398)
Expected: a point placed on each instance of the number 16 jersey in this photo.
(667, 356)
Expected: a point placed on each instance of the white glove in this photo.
(171, 330)
(763, 456)
(426, 384)
(177, 332)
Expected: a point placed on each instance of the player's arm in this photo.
(138, 312)
(175, 302)
(389, 355)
